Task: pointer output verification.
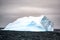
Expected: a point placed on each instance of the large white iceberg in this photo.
(31, 23)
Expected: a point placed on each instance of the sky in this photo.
(10, 10)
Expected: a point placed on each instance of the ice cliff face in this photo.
(31, 23)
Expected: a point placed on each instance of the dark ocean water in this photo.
(26, 35)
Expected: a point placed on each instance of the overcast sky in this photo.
(10, 10)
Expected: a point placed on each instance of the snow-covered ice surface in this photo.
(30, 23)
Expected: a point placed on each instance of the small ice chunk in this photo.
(31, 23)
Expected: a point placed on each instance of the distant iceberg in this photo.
(31, 23)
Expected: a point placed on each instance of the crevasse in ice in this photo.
(31, 23)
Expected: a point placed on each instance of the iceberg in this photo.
(41, 23)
